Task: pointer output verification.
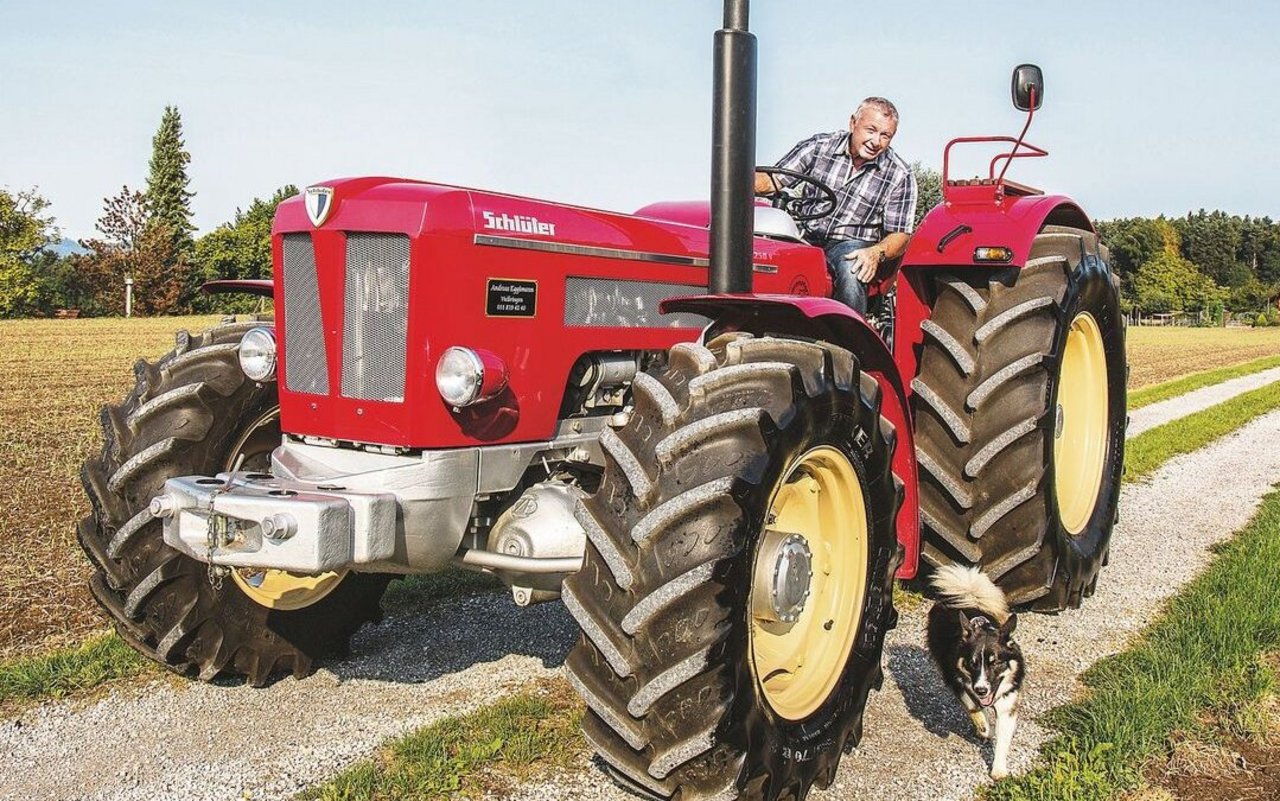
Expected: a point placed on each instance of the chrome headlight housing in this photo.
(465, 376)
(258, 354)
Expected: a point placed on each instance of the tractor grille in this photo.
(306, 367)
(608, 303)
(376, 320)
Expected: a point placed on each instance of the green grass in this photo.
(1180, 386)
(1150, 449)
(1202, 659)
(65, 671)
(417, 593)
(523, 736)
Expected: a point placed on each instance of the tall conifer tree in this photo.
(168, 199)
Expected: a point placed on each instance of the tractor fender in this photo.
(947, 238)
(830, 321)
(949, 234)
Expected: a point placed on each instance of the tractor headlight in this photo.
(258, 354)
(465, 376)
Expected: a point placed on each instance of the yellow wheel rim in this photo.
(818, 507)
(280, 589)
(274, 589)
(1080, 427)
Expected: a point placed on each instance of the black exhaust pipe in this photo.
(733, 152)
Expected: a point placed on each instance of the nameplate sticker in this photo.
(508, 297)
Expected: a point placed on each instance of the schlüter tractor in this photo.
(721, 495)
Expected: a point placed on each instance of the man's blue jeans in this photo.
(848, 289)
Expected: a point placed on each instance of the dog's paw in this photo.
(999, 773)
(980, 725)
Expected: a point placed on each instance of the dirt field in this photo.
(1159, 354)
(56, 374)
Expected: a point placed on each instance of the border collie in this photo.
(971, 638)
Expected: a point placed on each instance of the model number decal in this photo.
(511, 298)
(517, 223)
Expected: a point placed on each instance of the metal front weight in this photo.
(783, 572)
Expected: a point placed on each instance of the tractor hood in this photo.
(377, 277)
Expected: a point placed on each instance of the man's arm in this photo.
(899, 220)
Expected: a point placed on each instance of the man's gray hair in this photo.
(887, 108)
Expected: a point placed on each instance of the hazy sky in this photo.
(1152, 107)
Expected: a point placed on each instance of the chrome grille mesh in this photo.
(376, 318)
(306, 366)
(608, 303)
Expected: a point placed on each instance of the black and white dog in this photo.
(971, 639)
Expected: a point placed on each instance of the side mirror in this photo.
(1027, 81)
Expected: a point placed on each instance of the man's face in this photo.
(870, 133)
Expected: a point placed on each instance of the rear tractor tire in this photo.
(194, 413)
(1020, 419)
(737, 584)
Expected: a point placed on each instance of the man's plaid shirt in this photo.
(871, 201)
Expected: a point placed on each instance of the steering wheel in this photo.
(797, 199)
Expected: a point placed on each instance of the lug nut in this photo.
(279, 526)
(162, 506)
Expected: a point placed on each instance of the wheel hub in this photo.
(781, 598)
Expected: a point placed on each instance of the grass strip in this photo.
(1181, 386)
(524, 735)
(68, 670)
(417, 593)
(1150, 449)
(1205, 653)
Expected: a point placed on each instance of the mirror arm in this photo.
(1012, 154)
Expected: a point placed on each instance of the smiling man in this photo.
(875, 197)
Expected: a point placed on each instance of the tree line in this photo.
(146, 235)
(1206, 263)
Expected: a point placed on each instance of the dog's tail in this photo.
(969, 588)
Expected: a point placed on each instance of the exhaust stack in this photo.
(733, 151)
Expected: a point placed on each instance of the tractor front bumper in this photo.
(324, 508)
(247, 520)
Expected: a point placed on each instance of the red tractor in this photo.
(722, 495)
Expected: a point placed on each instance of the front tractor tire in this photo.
(1020, 418)
(194, 413)
(737, 583)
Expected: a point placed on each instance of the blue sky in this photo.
(1150, 107)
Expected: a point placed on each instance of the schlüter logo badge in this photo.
(319, 202)
(518, 224)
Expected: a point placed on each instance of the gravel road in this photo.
(230, 741)
(1157, 414)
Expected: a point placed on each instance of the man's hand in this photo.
(864, 263)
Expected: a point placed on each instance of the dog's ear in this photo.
(964, 621)
(1006, 630)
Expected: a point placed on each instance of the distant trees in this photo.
(1204, 262)
(147, 236)
(928, 189)
(25, 231)
(134, 244)
(240, 248)
(168, 198)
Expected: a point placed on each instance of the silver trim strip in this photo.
(569, 249)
